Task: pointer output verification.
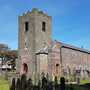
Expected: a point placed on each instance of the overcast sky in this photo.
(70, 20)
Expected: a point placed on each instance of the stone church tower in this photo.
(38, 55)
(34, 37)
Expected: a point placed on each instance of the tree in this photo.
(3, 52)
(7, 55)
(12, 56)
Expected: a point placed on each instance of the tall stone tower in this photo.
(34, 34)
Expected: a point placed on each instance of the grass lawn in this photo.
(82, 85)
(77, 87)
(4, 85)
(84, 81)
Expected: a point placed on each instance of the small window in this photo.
(26, 43)
(26, 26)
(43, 26)
(57, 65)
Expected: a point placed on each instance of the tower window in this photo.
(26, 26)
(43, 26)
(57, 65)
(26, 42)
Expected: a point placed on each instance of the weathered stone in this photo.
(39, 54)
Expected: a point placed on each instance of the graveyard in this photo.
(46, 85)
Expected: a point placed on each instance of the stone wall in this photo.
(75, 60)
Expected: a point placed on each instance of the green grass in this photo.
(75, 87)
(4, 85)
(84, 81)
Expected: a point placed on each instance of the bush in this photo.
(50, 86)
(62, 82)
(23, 82)
(29, 84)
(44, 83)
(13, 84)
(55, 80)
(18, 84)
(39, 84)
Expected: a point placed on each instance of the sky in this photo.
(70, 20)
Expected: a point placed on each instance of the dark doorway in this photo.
(57, 68)
(25, 68)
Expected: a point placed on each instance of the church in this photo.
(38, 54)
